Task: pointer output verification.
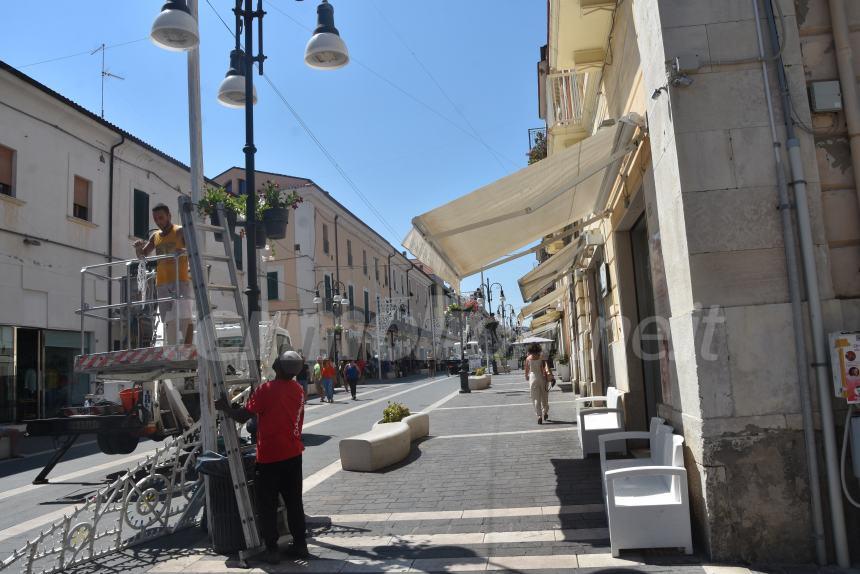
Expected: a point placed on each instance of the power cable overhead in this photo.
(84, 53)
(406, 93)
(316, 140)
(439, 87)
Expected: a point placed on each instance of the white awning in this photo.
(550, 330)
(468, 234)
(557, 265)
(549, 299)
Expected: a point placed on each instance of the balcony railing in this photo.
(570, 97)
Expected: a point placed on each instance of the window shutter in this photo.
(272, 284)
(141, 214)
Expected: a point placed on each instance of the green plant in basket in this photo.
(395, 412)
(213, 195)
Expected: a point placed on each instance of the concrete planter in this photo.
(419, 425)
(382, 446)
(5, 447)
(479, 382)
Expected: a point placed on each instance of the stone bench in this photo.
(648, 506)
(479, 382)
(383, 445)
(419, 425)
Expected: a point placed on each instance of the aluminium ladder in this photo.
(210, 353)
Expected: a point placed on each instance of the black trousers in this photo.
(284, 478)
(353, 385)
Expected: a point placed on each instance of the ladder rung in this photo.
(207, 227)
(221, 258)
(221, 287)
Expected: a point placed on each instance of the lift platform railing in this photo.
(102, 272)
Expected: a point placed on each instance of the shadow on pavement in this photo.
(310, 439)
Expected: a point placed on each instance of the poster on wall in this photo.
(845, 363)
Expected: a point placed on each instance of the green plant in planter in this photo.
(212, 196)
(480, 371)
(273, 205)
(395, 412)
(563, 360)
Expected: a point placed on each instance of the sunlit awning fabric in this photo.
(468, 234)
(547, 300)
(546, 318)
(549, 331)
(547, 272)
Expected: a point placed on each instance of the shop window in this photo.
(7, 171)
(82, 198)
(141, 214)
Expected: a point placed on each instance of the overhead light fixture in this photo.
(175, 29)
(231, 92)
(658, 91)
(326, 50)
(344, 301)
(682, 80)
(317, 299)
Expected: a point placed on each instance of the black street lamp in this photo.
(176, 29)
(488, 288)
(337, 303)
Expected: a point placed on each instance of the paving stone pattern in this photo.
(504, 503)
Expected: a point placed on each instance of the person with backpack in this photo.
(352, 373)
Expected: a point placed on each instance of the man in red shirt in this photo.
(279, 405)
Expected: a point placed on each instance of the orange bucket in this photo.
(129, 398)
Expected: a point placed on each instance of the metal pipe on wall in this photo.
(810, 275)
(848, 83)
(794, 290)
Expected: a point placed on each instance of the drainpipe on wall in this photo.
(110, 235)
(848, 83)
(810, 275)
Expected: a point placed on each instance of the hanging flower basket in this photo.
(233, 207)
(275, 221)
(260, 242)
(274, 204)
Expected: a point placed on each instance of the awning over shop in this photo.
(549, 299)
(547, 272)
(468, 234)
(550, 331)
(548, 317)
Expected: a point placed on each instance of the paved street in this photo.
(490, 489)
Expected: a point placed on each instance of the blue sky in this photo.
(406, 145)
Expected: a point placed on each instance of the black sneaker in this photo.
(297, 550)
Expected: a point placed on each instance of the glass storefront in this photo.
(37, 375)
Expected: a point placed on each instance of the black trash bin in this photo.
(225, 526)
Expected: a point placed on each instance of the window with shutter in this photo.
(81, 198)
(351, 299)
(272, 285)
(140, 216)
(364, 261)
(328, 293)
(325, 239)
(7, 171)
(366, 307)
(349, 253)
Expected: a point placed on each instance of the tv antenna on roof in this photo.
(105, 74)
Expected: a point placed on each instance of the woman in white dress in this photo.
(539, 376)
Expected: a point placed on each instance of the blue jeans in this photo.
(328, 385)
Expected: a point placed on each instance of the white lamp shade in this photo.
(175, 30)
(344, 301)
(317, 300)
(231, 92)
(326, 51)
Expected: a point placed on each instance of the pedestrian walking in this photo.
(341, 374)
(352, 373)
(328, 375)
(539, 376)
(316, 377)
(279, 406)
(303, 377)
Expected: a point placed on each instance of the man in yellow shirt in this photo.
(167, 240)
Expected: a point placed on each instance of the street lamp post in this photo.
(337, 302)
(487, 304)
(176, 29)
